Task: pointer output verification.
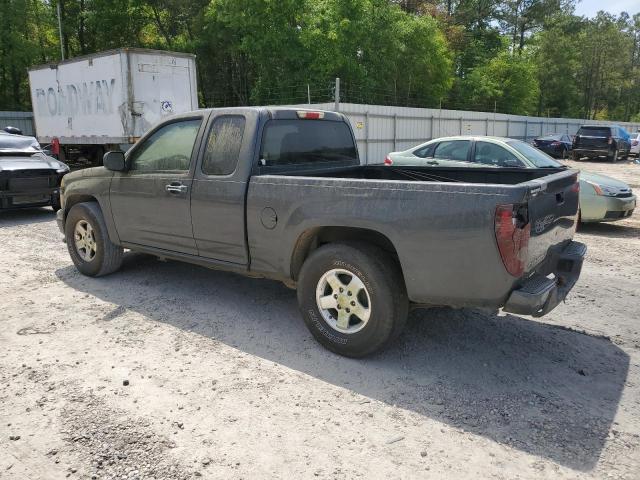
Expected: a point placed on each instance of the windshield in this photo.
(535, 156)
(19, 143)
(287, 142)
(594, 131)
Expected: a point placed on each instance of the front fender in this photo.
(90, 185)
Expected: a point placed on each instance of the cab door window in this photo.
(168, 149)
(453, 150)
(492, 154)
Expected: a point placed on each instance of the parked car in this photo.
(471, 151)
(281, 193)
(602, 198)
(557, 145)
(28, 177)
(593, 141)
(635, 144)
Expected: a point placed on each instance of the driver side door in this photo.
(151, 201)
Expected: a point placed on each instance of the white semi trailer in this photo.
(94, 103)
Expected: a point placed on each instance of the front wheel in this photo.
(55, 204)
(352, 298)
(91, 250)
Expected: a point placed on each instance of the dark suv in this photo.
(592, 141)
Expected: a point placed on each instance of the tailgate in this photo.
(552, 213)
(587, 141)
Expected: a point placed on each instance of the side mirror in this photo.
(114, 161)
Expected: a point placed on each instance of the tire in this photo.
(574, 156)
(564, 153)
(55, 204)
(107, 256)
(382, 293)
(614, 157)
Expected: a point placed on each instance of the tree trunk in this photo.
(163, 31)
(81, 29)
(65, 37)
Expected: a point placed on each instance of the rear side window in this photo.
(287, 142)
(594, 131)
(223, 145)
(453, 150)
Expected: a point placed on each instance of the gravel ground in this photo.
(170, 371)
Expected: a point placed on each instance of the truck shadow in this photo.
(13, 218)
(611, 230)
(542, 389)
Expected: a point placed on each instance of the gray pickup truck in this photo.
(281, 194)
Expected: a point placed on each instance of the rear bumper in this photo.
(592, 152)
(539, 294)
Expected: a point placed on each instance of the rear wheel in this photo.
(352, 298)
(91, 250)
(564, 153)
(614, 156)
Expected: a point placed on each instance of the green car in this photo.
(602, 199)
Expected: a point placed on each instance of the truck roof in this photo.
(280, 113)
(112, 52)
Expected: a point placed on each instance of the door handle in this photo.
(176, 188)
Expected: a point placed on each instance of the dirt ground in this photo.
(172, 371)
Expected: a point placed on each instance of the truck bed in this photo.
(442, 225)
(495, 176)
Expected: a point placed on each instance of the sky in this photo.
(589, 8)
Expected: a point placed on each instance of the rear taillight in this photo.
(387, 161)
(55, 146)
(555, 144)
(512, 234)
(610, 141)
(575, 188)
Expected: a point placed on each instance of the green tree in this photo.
(507, 82)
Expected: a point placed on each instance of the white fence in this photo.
(382, 129)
